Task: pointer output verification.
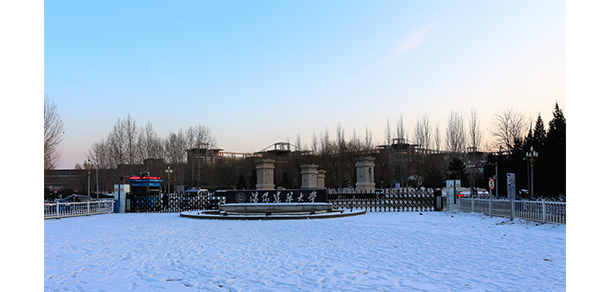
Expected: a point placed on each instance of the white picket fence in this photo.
(62, 210)
(540, 211)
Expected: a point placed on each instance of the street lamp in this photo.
(88, 166)
(97, 180)
(169, 172)
(531, 156)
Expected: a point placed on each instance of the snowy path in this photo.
(378, 251)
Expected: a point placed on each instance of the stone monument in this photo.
(365, 175)
(264, 174)
(321, 178)
(309, 176)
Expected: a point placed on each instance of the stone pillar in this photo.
(365, 175)
(309, 176)
(321, 179)
(264, 174)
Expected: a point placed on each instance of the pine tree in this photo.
(555, 152)
(539, 134)
(457, 168)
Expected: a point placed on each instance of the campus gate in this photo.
(387, 200)
(171, 203)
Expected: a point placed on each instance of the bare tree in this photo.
(325, 141)
(368, 138)
(314, 143)
(474, 130)
(388, 133)
(150, 145)
(340, 137)
(298, 142)
(100, 153)
(507, 126)
(175, 146)
(401, 133)
(354, 139)
(53, 134)
(422, 134)
(122, 146)
(198, 136)
(455, 140)
(115, 143)
(437, 138)
(131, 133)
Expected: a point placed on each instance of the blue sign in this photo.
(511, 187)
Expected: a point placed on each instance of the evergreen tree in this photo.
(554, 168)
(457, 169)
(539, 134)
(515, 163)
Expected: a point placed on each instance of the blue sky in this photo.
(257, 73)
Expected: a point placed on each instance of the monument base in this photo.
(276, 208)
(365, 187)
(277, 216)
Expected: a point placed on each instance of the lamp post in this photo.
(97, 180)
(88, 166)
(528, 172)
(531, 157)
(169, 172)
(471, 166)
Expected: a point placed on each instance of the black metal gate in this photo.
(171, 203)
(388, 200)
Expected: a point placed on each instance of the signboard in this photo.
(479, 164)
(491, 184)
(274, 196)
(450, 192)
(511, 187)
(397, 185)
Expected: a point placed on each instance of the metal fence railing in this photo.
(172, 202)
(540, 211)
(385, 200)
(62, 210)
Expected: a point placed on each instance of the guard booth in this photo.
(121, 203)
(145, 193)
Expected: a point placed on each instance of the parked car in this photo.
(76, 198)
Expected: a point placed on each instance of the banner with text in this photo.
(274, 196)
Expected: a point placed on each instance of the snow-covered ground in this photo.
(435, 251)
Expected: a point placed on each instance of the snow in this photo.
(405, 251)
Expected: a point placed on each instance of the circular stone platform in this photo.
(269, 208)
(224, 215)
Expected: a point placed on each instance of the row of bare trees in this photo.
(457, 137)
(128, 147)
(129, 144)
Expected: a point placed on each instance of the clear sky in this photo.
(257, 73)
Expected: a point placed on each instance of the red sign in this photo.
(491, 184)
(143, 177)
